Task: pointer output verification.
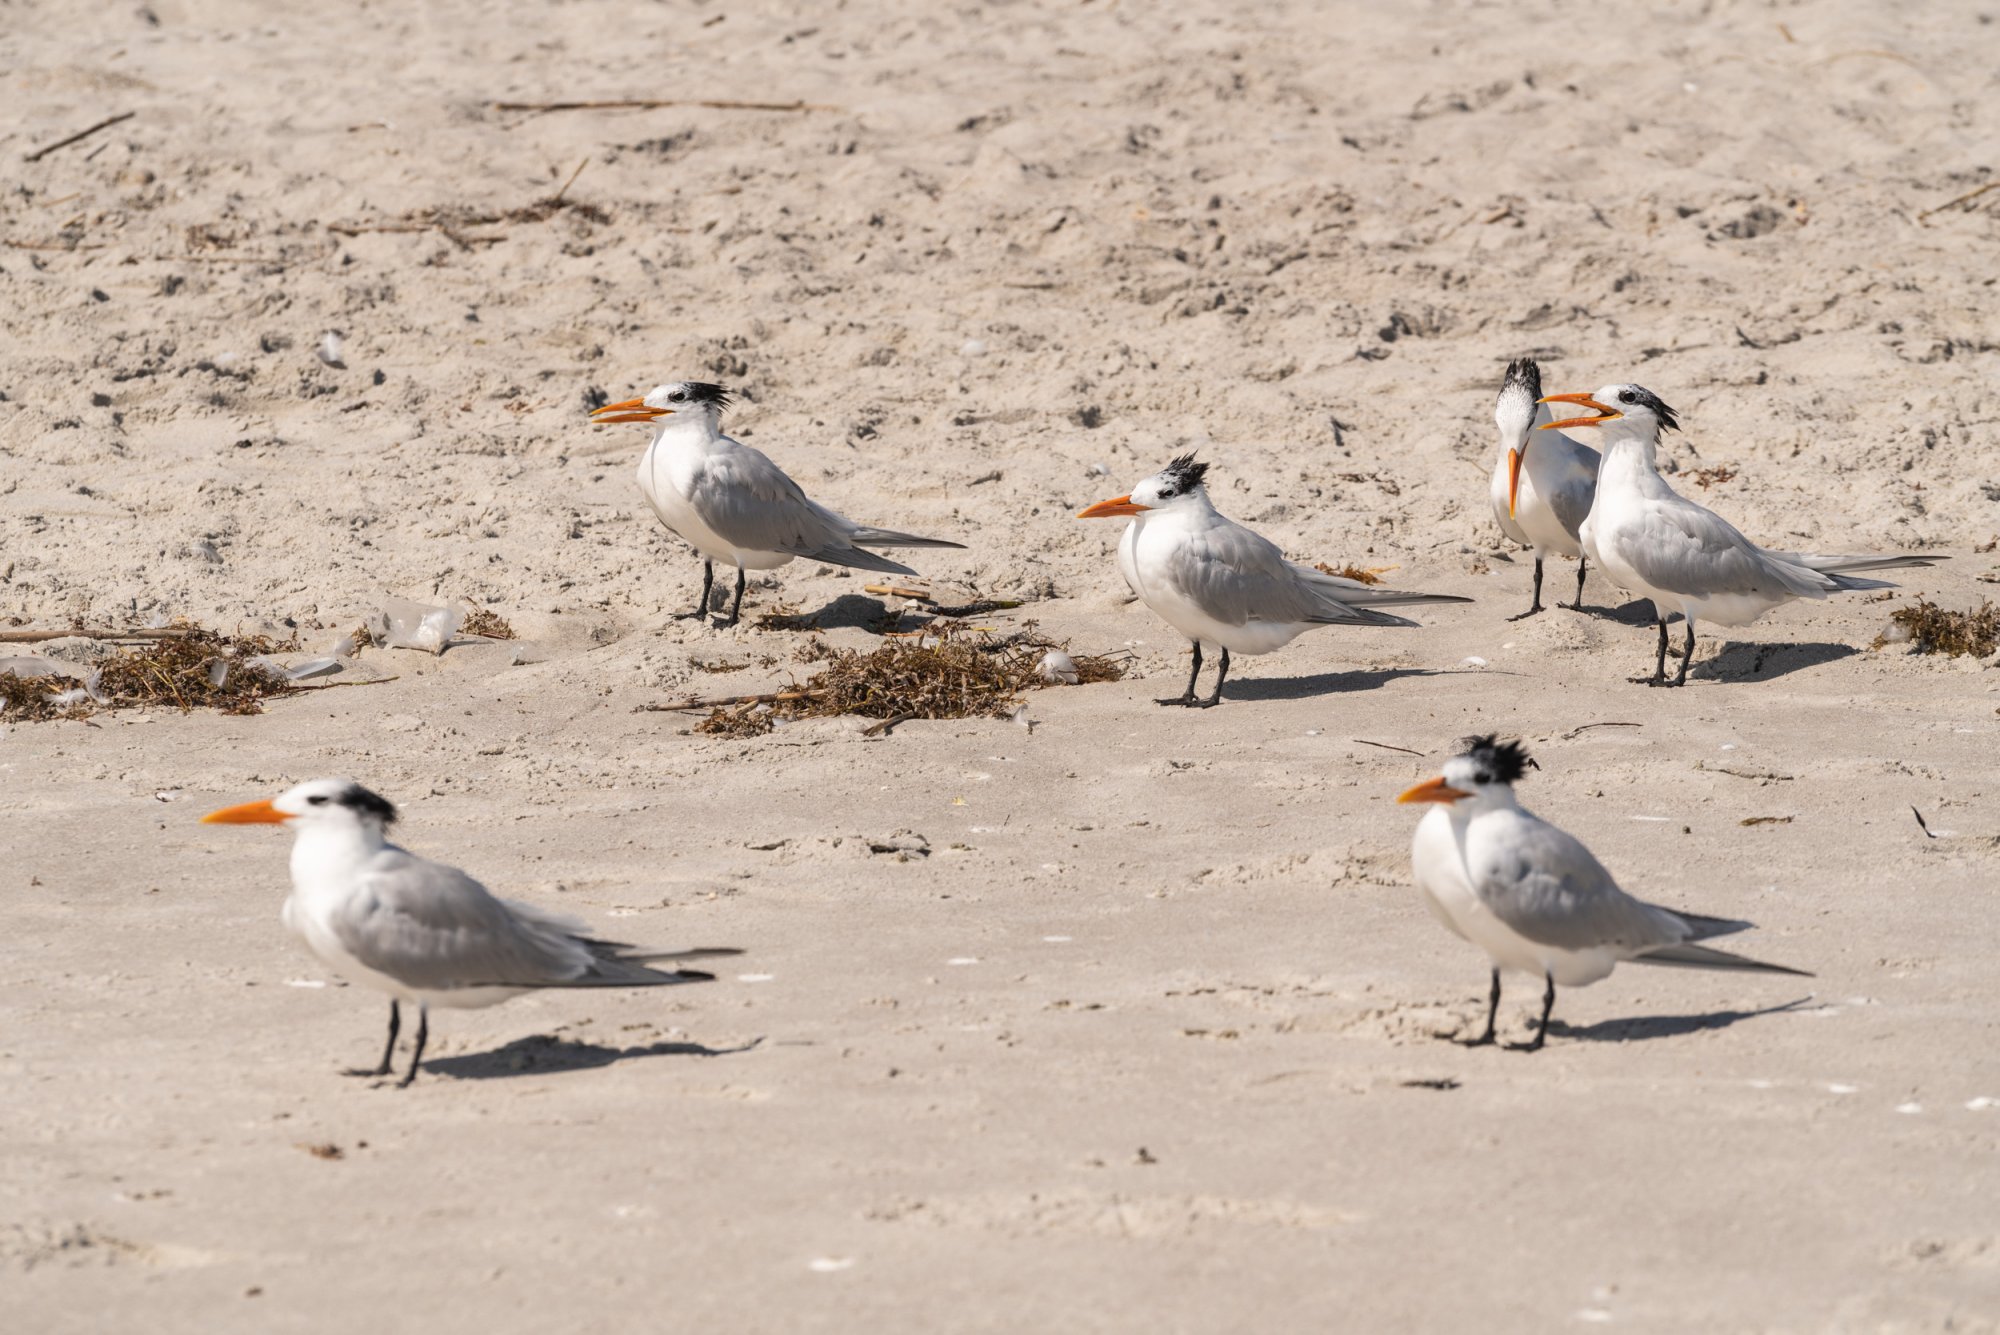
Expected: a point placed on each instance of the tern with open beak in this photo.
(1225, 587)
(1685, 557)
(1532, 896)
(731, 503)
(1542, 485)
(423, 932)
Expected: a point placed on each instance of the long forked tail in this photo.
(615, 965)
(1690, 956)
(867, 536)
(1848, 565)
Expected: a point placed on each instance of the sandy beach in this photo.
(1127, 1020)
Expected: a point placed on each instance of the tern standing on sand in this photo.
(1685, 557)
(1540, 495)
(731, 503)
(1225, 587)
(1532, 896)
(423, 932)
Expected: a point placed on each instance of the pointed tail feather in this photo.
(867, 536)
(1689, 956)
(1843, 565)
(1337, 615)
(858, 558)
(1701, 927)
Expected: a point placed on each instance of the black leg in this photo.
(1582, 568)
(1492, 1014)
(1542, 1029)
(395, 1027)
(423, 1033)
(1659, 677)
(1535, 606)
(707, 586)
(1220, 673)
(736, 608)
(1187, 697)
(1687, 656)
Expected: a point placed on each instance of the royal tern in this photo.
(1222, 585)
(423, 932)
(731, 503)
(1532, 896)
(1540, 496)
(1685, 557)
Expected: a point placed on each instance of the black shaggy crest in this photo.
(702, 392)
(1640, 394)
(1504, 762)
(1524, 372)
(1185, 473)
(367, 803)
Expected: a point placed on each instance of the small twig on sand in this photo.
(724, 701)
(1920, 823)
(81, 632)
(557, 197)
(52, 245)
(1363, 741)
(898, 591)
(655, 104)
(336, 685)
(1588, 726)
(1967, 197)
(877, 729)
(80, 135)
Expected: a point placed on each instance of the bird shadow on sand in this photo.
(545, 1054)
(850, 611)
(1639, 1028)
(1762, 662)
(1322, 683)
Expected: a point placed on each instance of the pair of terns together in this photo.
(1557, 496)
(1212, 579)
(1532, 896)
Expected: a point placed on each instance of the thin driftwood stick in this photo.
(877, 729)
(723, 701)
(1363, 741)
(336, 685)
(652, 104)
(37, 636)
(105, 124)
(1962, 199)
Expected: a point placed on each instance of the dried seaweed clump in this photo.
(197, 669)
(956, 674)
(487, 624)
(1935, 631)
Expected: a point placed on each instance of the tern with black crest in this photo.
(731, 503)
(1532, 896)
(1686, 558)
(423, 932)
(1542, 486)
(1225, 587)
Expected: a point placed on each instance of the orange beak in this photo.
(1433, 790)
(1605, 412)
(1117, 505)
(632, 410)
(1514, 458)
(250, 813)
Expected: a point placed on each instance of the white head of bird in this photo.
(1178, 484)
(691, 404)
(1514, 414)
(1480, 779)
(1624, 412)
(324, 813)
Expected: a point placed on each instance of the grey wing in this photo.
(1237, 576)
(433, 927)
(1552, 890)
(1688, 549)
(1578, 488)
(752, 504)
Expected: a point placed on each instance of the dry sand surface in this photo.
(1128, 1022)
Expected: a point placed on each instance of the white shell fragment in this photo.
(330, 348)
(1058, 666)
(312, 667)
(402, 624)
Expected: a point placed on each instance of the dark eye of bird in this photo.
(315, 801)
(1628, 397)
(1482, 777)
(676, 397)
